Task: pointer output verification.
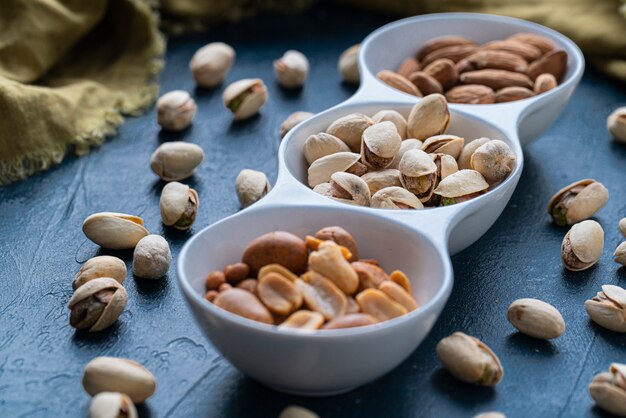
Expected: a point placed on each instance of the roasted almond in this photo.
(496, 60)
(554, 63)
(454, 53)
(511, 94)
(545, 82)
(496, 79)
(540, 42)
(442, 42)
(444, 71)
(408, 66)
(528, 52)
(425, 83)
(471, 94)
(399, 82)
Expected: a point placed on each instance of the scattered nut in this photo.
(176, 160)
(210, 64)
(616, 124)
(608, 308)
(112, 405)
(251, 186)
(582, 245)
(622, 226)
(490, 415)
(577, 202)
(97, 304)
(291, 69)
(179, 205)
(100, 266)
(297, 412)
(152, 257)
(292, 121)
(175, 110)
(115, 231)
(620, 254)
(536, 318)
(348, 65)
(245, 97)
(608, 389)
(112, 374)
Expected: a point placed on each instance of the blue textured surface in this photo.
(41, 245)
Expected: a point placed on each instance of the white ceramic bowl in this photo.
(417, 242)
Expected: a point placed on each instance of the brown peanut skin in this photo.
(214, 280)
(370, 276)
(278, 247)
(341, 237)
(249, 285)
(243, 303)
(234, 273)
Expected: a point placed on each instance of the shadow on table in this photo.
(524, 344)
(464, 394)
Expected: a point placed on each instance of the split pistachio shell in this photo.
(470, 360)
(115, 231)
(461, 183)
(152, 257)
(429, 117)
(291, 122)
(112, 374)
(494, 160)
(176, 160)
(577, 201)
(377, 180)
(348, 188)
(608, 308)
(100, 266)
(395, 198)
(322, 144)
(620, 254)
(97, 304)
(394, 117)
(323, 168)
(582, 245)
(324, 189)
(210, 63)
(622, 226)
(536, 318)
(251, 186)
(445, 144)
(469, 148)
(175, 110)
(406, 145)
(616, 124)
(245, 97)
(446, 165)
(379, 145)
(179, 205)
(608, 389)
(291, 69)
(418, 174)
(348, 65)
(297, 412)
(350, 128)
(329, 261)
(112, 405)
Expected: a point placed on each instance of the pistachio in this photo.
(251, 186)
(322, 295)
(276, 247)
(445, 144)
(350, 128)
(490, 415)
(577, 201)
(582, 245)
(544, 82)
(237, 272)
(100, 266)
(406, 145)
(175, 110)
(398, 294)
(324, 189)
(494, 160)
(461, 186)
(245, 97)
(470, 360)
(425, 83)
(304, 320)
(446, 165)
(620, 254)
(329, 261)
(152, 257)
(214, 280)
(608, 389)
(370, 276)
(348, 65)
(418, 174)
(377, 180)
(297, 412)
(536, 318)
(395, 198)
(115, 231)
(408, 67)
(179, 205)
(379, 145)
(112, 405)
(292, 121)
(398, 82)
(176, 160)
(380, 306)
(323, 168)
(243, 303)
(429, 117)
(394, 117)
(322, 144)
(112, 374)
(341, 237)
(469, 148)
(291, 69)
(608, 308)
(348, 188)
(279, 294)
(97, 304)
(622, 226)
(351, 320)
(210, 63)
(616, 124)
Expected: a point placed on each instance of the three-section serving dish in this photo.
(417, 242)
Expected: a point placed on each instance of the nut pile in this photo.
(518, 67)
(316, 283)
(387, 161)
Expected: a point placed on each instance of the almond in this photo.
(408, 66)
(444, 71)
(544, 82)
(496, 79)
(471, 94)
(554, 63)
(511, 94)
(399, 82)
(496, 60)
(538, 41)
(528, 52)
(426, 83)
(454, 52)
(442, 42)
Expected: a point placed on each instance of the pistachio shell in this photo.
(379, 145)
(536, 318)
(377, 180)
(494, 160)
(348, 188)
(322, 144)
(210, 63)
(297, 412)
(324, 189)
(462, 183)
(429, 117)
(291, 69)
(620, 254)
(152, 257)
(446, 165)
(622, 226)
(85, 316)
(577, 201)
(406, 145)
(394, 117)
(176, 160)
(100, 266)
(608, 389)
(323, 168)
(292, 121)
(350, 128)
(616, 124)
(445, 144)
(251, 186)
(582, 245)
(112, 405)
(348, 65)
(395, 198)
(608, 308)
(245, 97)
(112, 374)
(468, 150)
(178, 204)
(415, 163)
(115, 231)
(175, 110)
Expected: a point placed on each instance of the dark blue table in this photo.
(41, 245)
